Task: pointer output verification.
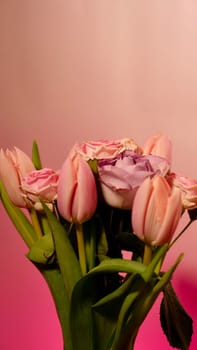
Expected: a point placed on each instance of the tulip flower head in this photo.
(14, 165)
(156, 211)
(76, 193)
(159, 145)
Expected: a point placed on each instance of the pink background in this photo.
(73, 70)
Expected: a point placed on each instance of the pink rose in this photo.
(40, 184)
(120, 177)
(188, 189)
(77, 193)
(156, 211)
(14, 165)
(159, 145)
(104, 149)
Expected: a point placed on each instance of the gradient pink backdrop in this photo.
(73, 70)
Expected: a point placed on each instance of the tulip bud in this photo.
(76, 193)
(14, 165)
(159, 145)
(156, 211)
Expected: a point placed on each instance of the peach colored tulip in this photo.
(156, 211)
(159, 145)
(14, 165)
(76, 193)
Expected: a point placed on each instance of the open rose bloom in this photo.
(121, 176)
(105, 149)
(188, 188)
(108, 196)
(40, 184)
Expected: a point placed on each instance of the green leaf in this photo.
(130, 266)
(102, 246)
(54, 279)
(138, 303)
(158, 256)
(89, 228)
(42, 250)
(84, 318)
(90, 320)
(136, 288)
(118, 265)
(93, 329)
(175, 322)
(68, 263)
(18, 218)
(156, 285)
(115, 295)
(103, 330)
(81, 317)
(36, 156)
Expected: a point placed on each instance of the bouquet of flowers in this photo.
(108, 197)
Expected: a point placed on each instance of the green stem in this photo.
(92, 250)
(147, 254)
(55, 282)
(90, 243)
(18, 218)
(45, 225)
(81, 248)
(35, 223)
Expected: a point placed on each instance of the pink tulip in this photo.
(159, 145)
(156, 211)
(76, 193)
(14, 165)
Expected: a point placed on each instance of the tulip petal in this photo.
(156, 208)
(140, 207)
(22, 161)
(85, 199)
(66, 188)
(10, 180)
(159, 145)
(77, 195)
(171, 218)
(156, 211)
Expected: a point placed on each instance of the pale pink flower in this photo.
(159, 145)
(156, 211)
(77, 193)
(120, 177)
(40, 184)
(188, 189)
(14, 165)
(104, 149)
